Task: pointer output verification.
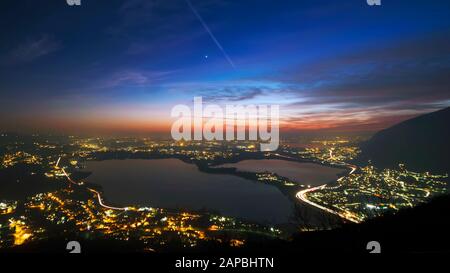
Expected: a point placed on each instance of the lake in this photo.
(172, 183)
(300, 172)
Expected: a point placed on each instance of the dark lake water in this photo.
(303, 173)
(172, 183)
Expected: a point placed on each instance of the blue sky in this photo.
(121, 65)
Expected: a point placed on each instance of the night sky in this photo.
(120, 66)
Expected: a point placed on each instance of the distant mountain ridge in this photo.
(422, 143)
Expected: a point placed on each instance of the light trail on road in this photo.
(100, 201)
(70, 179)
(301, 195)
(99, 197)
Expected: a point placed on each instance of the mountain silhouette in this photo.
(421, 143)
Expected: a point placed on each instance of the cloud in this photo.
(231, 93)
(402, 71)
(34, 49)
(397, 80)
(134, 78)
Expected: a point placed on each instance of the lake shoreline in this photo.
(289, 192)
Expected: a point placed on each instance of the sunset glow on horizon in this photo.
(331, 66)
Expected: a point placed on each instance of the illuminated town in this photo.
(224, 127)
(369, 192)
(70, 205)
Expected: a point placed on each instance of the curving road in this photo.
(100, 201)
(302, 196)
